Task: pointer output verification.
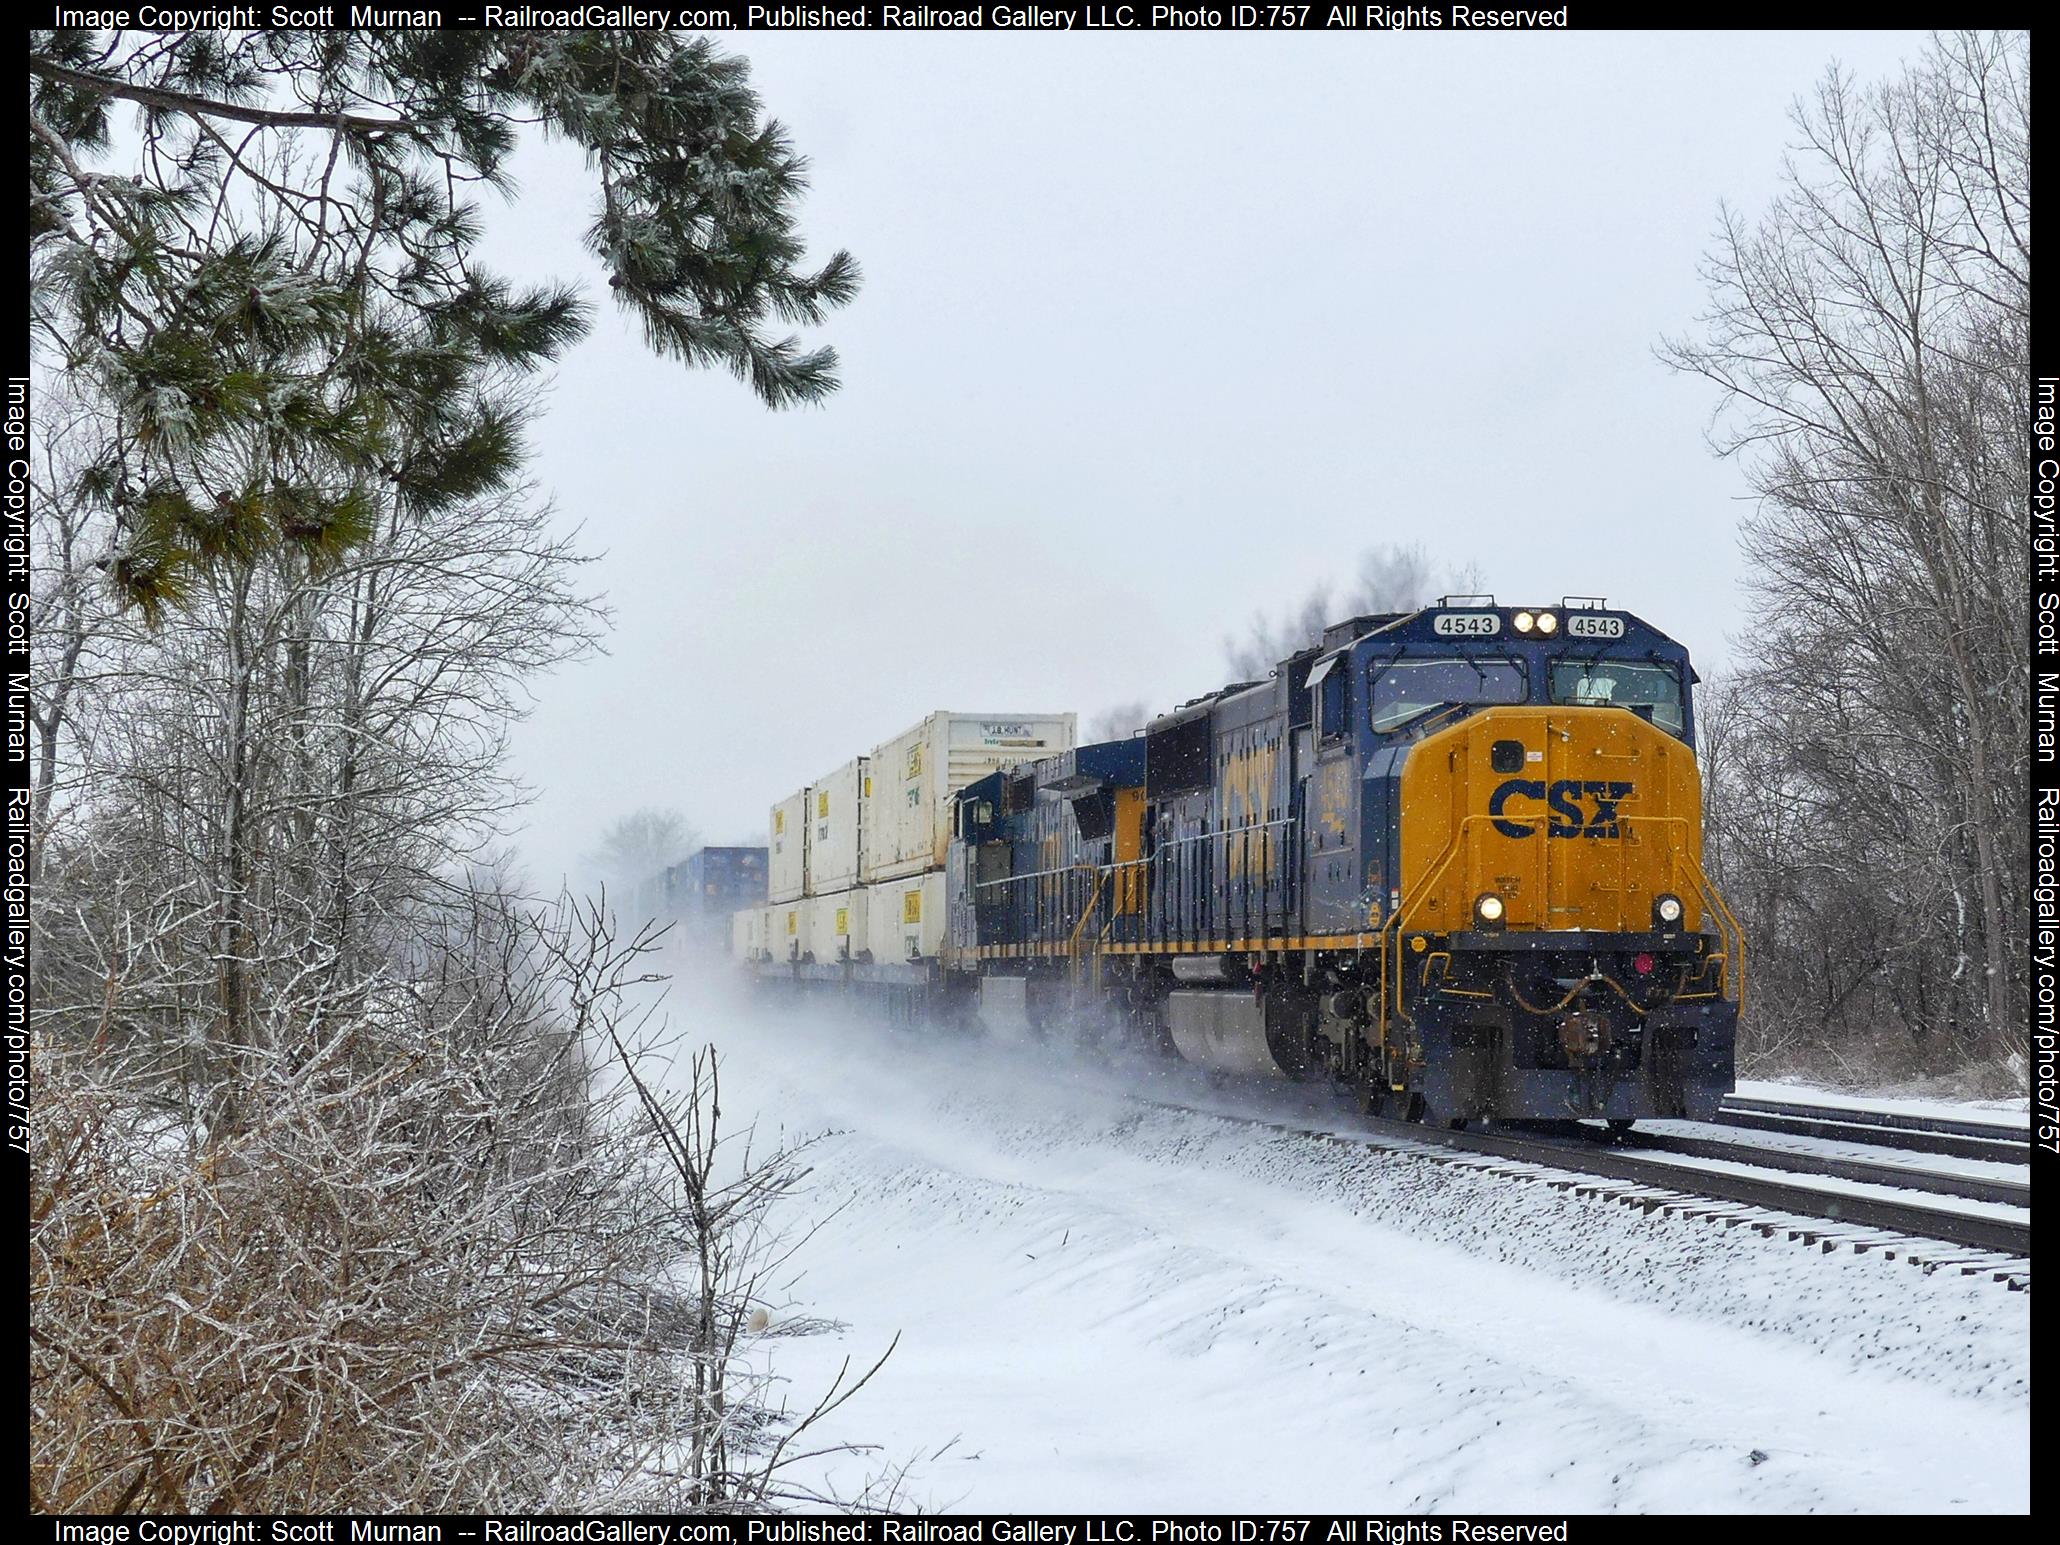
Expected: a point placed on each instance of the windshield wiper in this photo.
(1380, 667)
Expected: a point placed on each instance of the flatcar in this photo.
(1450, 857)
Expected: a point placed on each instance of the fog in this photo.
(1156, 330)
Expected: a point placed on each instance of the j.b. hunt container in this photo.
(908, 816)
(837, 829)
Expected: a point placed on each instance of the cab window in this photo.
(1408, 689)
(1621, 684)
(1330, 706)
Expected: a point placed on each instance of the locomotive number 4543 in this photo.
(1590, 626)
(1468, 624)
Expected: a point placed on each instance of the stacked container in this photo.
(787, 849)
(787, 931)
(837, 926)
(836, 828)
(905, 918)
(915, 774)
(747, 934)
(855, 861)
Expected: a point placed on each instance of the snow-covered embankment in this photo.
(1105, 1304)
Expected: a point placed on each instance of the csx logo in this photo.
(1564, 799)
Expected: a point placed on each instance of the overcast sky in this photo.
(1156, 330)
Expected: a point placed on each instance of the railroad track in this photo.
(1918, 1220)
(2004, 1143)
(1973, 1188)
(1931, 1237)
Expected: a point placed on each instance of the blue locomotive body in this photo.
(1452, 856)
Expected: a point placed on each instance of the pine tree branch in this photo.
(208, 107)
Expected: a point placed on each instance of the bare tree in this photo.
(1869, 334)
(447, 1264)
(1391, 578)
(300, 752)
(742, 1444)
(636, 849)
(328, 1213)
(67, 609)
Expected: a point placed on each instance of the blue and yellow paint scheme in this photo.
(1452, 856)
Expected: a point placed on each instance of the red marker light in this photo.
(1642, 963)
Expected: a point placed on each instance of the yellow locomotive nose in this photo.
(1568, 817)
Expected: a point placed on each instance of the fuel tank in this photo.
(1229, 1031)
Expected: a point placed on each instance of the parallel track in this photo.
(1917, 1219)
(2002, 1143)
(1927, 1236)
(2012, 1193)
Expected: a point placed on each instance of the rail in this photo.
(1878, 1129)
(1823, 1217)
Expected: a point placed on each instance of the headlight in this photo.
(1488, 908)
(1668, 910)
(1547, 622)
(1524, 622)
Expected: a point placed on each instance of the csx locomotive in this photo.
(1451, 857)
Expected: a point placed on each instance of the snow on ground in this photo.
(1105, 1304)
(2012, 1115)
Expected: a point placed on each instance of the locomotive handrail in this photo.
(1100, 872)
(1034, 874)
(1413, 900)
(1086, 912)
(1684, 860)
(1728, 929)
(1228, 831)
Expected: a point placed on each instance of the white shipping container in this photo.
(787, 931)
(914, 775)
(905, 918)
(836, 926)
(747, 934)
(836, 828)
(786, 859)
